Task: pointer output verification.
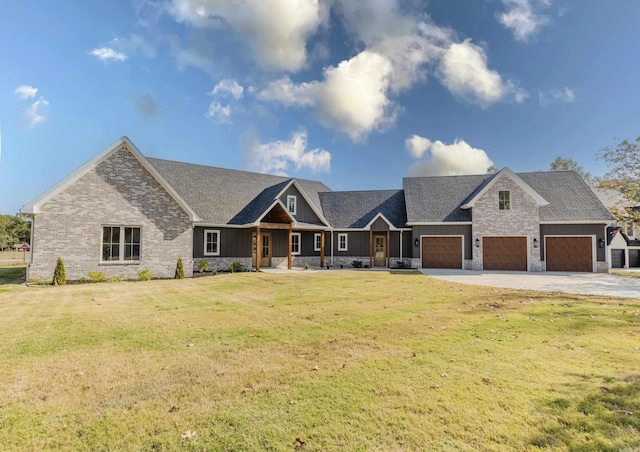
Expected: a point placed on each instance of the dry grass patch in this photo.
(341, 360)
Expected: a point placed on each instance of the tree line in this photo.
(13, 230)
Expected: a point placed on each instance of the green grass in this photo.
(341, 360)
(12, 275)
(630, 274)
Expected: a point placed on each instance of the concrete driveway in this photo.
(579, 283)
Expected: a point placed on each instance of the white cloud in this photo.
(446, 159)
(108, 54)
(417, 145)
(276, 157)
(276, 30)
(522, 19)
(554, 96)
(119, 48)
(219, 113)
(25, 92)
(352, 97)
(35, 113)
(228, 87)
(463, 70)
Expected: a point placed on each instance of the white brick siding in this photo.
(120, 192)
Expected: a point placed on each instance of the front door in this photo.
(380, 251)
(265, 250)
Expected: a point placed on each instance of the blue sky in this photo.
(357, 94)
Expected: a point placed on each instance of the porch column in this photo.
(258, 249)
(400, 245)
(370, 248)
(388, 248)
(332, 246)
(321, 249)
(290, 245)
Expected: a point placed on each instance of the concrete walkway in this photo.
(579, 283)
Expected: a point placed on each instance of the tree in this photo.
(59, 274)
(13, 230)
(179, 269)
(623, 161)
(568, 164)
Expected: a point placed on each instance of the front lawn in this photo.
(330, 360)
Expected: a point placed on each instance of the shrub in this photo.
(97, 276)
(59, 275)
(356, 264)
(115, 279)
(403, 264)
(306, 266)
(179, 270)
(235, 267)
(144, 275)
(203, 266)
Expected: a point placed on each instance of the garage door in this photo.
(617, 259)
(442, 252)
(504, 253)
(569, 254)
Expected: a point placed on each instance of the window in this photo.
(342, 242)
(211, 242)
(120, 243)
(317, 242)
(292, 202)
(504, 200)
(295, 243)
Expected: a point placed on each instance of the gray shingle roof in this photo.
(436, 199)
(355, 209)
(226, 196)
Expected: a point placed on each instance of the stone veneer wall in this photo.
(522, 220)
(117, 192)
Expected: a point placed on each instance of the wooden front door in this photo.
(380, 251)
(265, 249)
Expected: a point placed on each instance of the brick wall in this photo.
(522, 220)
(118, 192)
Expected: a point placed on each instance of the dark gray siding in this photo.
(379, 225)
(304, 212)
(574, 229)
(357, 243)
(307, 239)
(233, 242)
(445, 229)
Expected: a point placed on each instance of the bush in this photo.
(306, 266)
(145, 275)
(356, 264)
(203, 266)
(179, 270)
(59, 275)
(403, 264)
(115, 279)
(97, 276)
(235, 267)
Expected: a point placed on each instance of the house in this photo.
(122, 212)
(624, 250)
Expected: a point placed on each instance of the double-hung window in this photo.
(504, 200)
(295, 243)
(121, 243)
(317, 242)
(211, 242)
(343, 244)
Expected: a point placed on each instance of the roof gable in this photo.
(316, 209)
(359, 209)
(505, 172)
(33, 206)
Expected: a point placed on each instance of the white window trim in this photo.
(204, 244)
(296, 234)
(346, 242)
(121, 245)
(510, 201)
(295, 204)
(317, 242)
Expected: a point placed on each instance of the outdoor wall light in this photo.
(601, 243)
(477, 243)
(535, 243)
(417, 242)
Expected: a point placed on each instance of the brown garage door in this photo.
(569, 254)
(504, 253)
(442, 252)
